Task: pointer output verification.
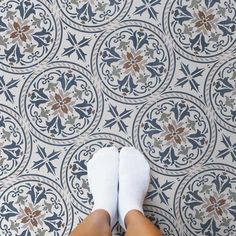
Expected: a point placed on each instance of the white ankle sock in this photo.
(134, 177)
(103, 180)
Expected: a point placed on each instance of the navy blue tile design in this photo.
(76, 76)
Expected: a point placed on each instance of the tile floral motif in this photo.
(28, 34)
(175, 134)
(203, 29)
(76, 76)
(33, 208)
(61, 102)
(137, 59)
(209, 208)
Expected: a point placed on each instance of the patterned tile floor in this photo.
(77, 75)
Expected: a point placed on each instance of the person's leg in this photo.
(138, 225)
(103, 182)
(96, 224)
(134, 177)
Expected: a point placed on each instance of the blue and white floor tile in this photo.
(78, 75)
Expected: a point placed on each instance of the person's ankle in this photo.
(132, 216)
(101, 216)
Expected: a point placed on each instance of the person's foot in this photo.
(103, 180)
(134, 177)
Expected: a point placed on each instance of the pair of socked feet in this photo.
(118, 181)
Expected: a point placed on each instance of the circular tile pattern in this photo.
(206, 201)
(29, 34)
(74, 169)
(201, 30)
(33, 206)
(174, 133)
(133, 61)
(61, 103)
(221, 89)
(14, 143)
(90, 15)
